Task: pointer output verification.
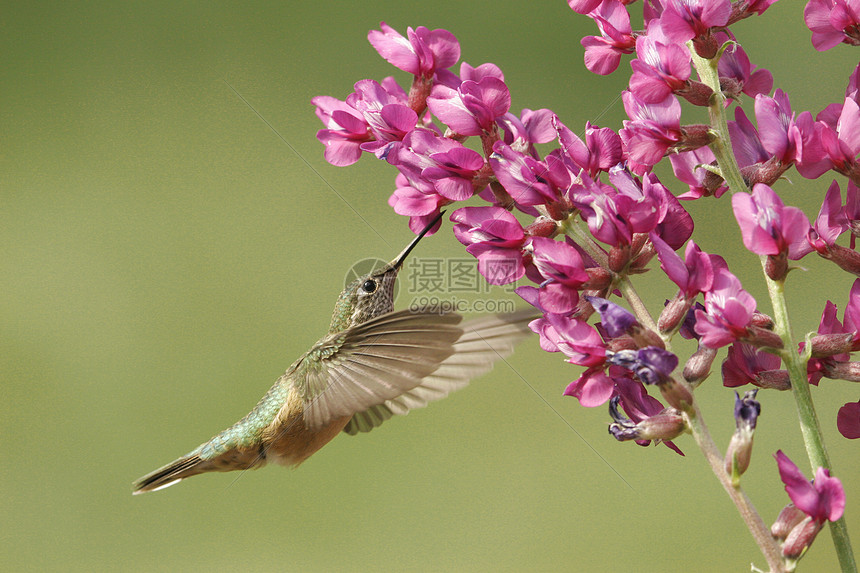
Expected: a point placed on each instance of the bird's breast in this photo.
(289, 441)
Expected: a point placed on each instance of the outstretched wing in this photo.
(382, 359)
(483, 342)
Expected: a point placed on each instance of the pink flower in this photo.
(523, 176)
(662, 67)
(693, 275)
(833, 22)
(848, 420)
(652, 129)
(688, 169)
(745, 364)
(530, 128)
(384, 108)
(822, 500)
(767, 226)
(838, 143)
(737, 75)
(601, 151)
(418, 200)
(496, 238)
(603, 53)
(576, 339)
(472, 108)
(445, 163)
(345, 130)
(421, 53)
(684, 20)
(780, 135)
(563, 271)
(729, 309)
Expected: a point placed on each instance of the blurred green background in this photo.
(165, 256)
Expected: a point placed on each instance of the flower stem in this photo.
(810, 429)
(722, 144)
(759, 530)
(632, 297)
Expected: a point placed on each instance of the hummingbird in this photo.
(372, 364)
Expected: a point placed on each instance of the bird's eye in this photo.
(369, 286)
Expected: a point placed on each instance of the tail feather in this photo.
(174, 472)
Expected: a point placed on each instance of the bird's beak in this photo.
(395, 264)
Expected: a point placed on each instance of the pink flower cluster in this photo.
(598, 214)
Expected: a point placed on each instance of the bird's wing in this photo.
(360, 368)
(484, 340)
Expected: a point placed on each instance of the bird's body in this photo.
(373, 363)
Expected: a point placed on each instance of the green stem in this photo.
(748, 513)
(632, 297)
(795, 363)
(722, 144)
(810, 429)
(581, 237)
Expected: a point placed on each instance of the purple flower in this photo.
(729, 309)
(563, 271)
(603, 53)
(822, 500)
(651, 365)
(767, 226)
(472, 108)
(345, 130)
(421, 53)
(833, 22)
(616, 320)
(644, 410)
(496, 238)
(848, 420)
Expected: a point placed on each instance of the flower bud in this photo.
(847, 259)
(674, 312)
(776, 266)
(699, 365)
(762, 337)
(775, 379)
(664, 426)
(696, 93)
(761, 320)
(645, 337)
(787, 519)
(842, 370)
(619, 258)
(747, 410)
(542, 227)
(830, 344)
(800, 538)
(677, 394)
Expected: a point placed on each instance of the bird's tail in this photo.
(174, 472)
